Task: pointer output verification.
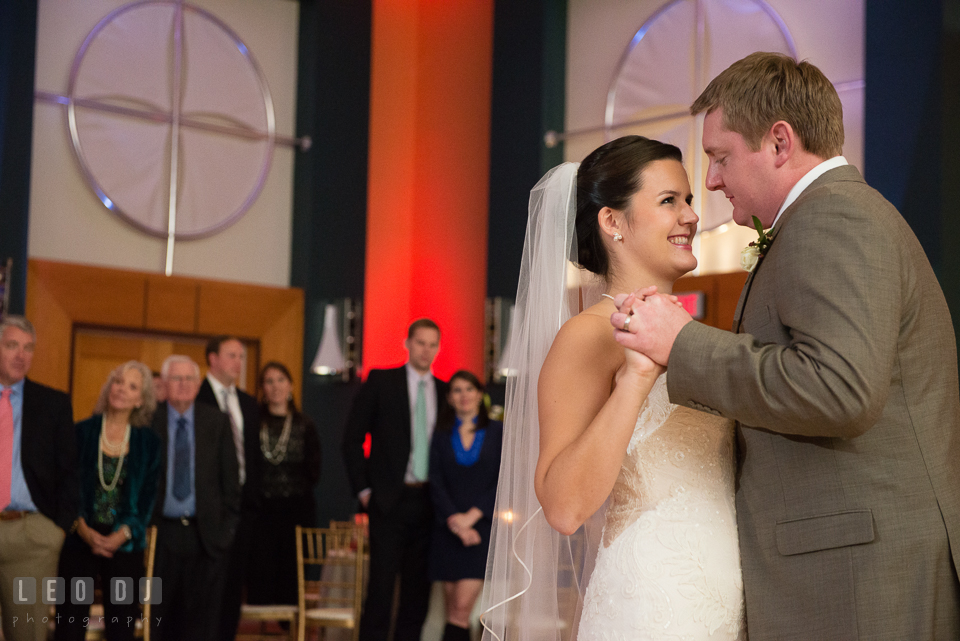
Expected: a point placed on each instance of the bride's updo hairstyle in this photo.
(609, 177)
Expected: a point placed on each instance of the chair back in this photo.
(342, 525)
(148, 553)
(330, 576)
(359, 522)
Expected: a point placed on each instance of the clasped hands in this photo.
(462, 524)
(654, 322)
(101, 545)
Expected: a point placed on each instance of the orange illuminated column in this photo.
(428, 178)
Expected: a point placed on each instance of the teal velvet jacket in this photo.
(138, 492)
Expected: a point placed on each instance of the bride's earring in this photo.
(617, 237)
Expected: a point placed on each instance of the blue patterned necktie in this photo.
(421, 442)
(181, 461)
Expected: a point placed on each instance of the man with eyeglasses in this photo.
(198, 505)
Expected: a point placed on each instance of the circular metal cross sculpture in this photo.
(171, 119)
(670, 60)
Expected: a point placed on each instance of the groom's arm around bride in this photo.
(841, 371)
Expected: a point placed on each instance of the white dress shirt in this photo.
(232, 405)
(229, 404)
(807, 180)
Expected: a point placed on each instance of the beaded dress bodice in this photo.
(668, 567)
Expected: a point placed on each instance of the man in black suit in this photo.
(398, 408)
(198, 506)
(225, 356)
(39, 490)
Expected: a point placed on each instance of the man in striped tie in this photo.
(398, 408)
(226, 358)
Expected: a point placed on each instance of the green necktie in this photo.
(421, 443)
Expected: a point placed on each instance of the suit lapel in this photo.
(738, 314)
(843, 173)
(742, 303)
(206, 395)
(404, 402)
(28, 415)
(201, 444)
(441, 397)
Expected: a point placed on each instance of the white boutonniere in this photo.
(752, 253)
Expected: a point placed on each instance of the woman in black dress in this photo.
(291, 468)
(464, 468)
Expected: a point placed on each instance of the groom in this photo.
(841, 373)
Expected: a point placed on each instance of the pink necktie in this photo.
(6, 446)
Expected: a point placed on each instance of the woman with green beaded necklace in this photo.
(118, 465)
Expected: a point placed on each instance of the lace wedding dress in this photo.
(668, 567)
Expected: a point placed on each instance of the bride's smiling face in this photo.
(660, 223)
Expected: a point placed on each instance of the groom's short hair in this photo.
(762, 88)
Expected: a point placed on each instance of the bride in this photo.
(628, 531)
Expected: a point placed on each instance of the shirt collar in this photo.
(807, 180)
(174, 414)
(414, 375)
(16, 387)
(219, 387)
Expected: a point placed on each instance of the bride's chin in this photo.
(686, 266)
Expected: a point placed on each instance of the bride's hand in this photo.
(639, 365)
(624, 302)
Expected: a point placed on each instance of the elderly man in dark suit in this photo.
(842, 374)
(198, 506)
(39, 490)
(398, 408)
(225, 356)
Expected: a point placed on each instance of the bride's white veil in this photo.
(535, 576)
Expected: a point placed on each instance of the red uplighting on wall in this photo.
(428, 174)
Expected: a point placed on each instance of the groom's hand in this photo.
(655, 321)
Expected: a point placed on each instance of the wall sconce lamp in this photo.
(338, 352)
(497, 357)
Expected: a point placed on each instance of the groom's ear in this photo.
(784, 140)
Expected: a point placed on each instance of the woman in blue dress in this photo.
(464, 468)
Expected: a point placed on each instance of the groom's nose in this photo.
(713, 181)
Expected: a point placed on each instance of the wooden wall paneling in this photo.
(54, 327)
(155, 349)
(283, 341)
(171, 304)
(95, 355)
(722, 293)
(729, 287)
(96, 352)
(95, 295)
(244, 310)
(275, 316)
(707, 285)
(166, 316)
(252, 368)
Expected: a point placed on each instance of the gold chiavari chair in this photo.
(330, 578)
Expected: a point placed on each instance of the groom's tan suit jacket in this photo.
(842, 375)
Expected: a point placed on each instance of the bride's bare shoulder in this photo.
(588, 336)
